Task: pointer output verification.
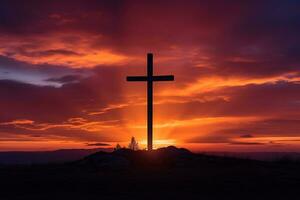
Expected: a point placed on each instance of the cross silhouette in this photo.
(150, 79)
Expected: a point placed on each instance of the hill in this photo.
(44, 157)
(167, 173)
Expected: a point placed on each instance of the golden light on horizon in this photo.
(158, 143)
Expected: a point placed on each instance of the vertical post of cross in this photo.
(150, 79)
(150, 100)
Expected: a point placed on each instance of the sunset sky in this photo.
(63, 68)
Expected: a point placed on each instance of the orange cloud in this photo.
(206, 84)
(76, 50)
(73, 123)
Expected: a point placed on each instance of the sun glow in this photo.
(159, 143)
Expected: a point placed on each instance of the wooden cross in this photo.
(149, 79)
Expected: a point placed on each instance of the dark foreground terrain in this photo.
(167, 173)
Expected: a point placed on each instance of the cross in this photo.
(150, 79)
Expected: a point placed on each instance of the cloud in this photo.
(18, 122)
(246, 143)
(53, 49)
(246, 136)
(65, 79)
(98, 144)
(11, 69)
(60, 103)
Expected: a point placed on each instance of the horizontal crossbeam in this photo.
(137, 78)
(163, 78)
(153, 78)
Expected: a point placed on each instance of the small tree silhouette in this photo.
(133, 145)
(118, 146)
